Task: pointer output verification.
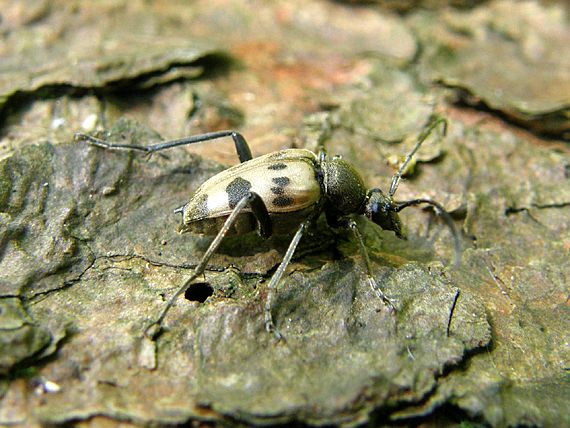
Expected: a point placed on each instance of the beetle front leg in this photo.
(241, 146)
(351, 224)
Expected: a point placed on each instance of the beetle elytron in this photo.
(279, 193)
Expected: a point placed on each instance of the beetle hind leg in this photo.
(254, 201)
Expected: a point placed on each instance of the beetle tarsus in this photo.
(271, 328)
(376, 290)
(153, 331)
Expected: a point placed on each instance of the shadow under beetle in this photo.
(282, 192)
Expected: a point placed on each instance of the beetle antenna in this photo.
(421, 138)
(399, 206)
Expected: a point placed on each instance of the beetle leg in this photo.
(242, 148)
(269, 324)
(261, 214)
(351, 224)
(255, 202)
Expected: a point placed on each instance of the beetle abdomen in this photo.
(286, 181)
(244, 223)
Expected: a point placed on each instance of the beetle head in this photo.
(380, 209)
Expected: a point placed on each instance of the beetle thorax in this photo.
(344, 188)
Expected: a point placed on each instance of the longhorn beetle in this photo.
(282, 192)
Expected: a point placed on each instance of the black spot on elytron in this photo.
(278, 190)
(201, 210)
(237, 190)
(281, 181)
(277, 166)
(282, 201)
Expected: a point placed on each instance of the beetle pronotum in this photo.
(282, 192)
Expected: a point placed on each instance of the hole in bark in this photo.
(199, 292)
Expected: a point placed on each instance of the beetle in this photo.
(283, 192)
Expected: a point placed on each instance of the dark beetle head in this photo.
(380, 209)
